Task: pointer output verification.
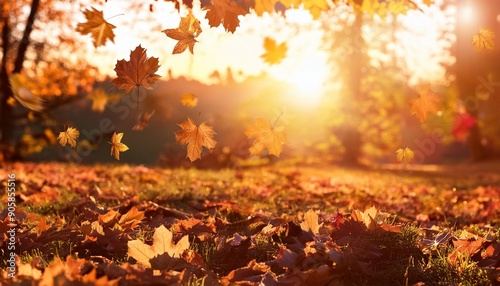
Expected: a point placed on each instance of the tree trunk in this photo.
(6, 123)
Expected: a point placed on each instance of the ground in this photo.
(279, 225)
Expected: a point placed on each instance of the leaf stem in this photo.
(114, 16)
(277, 119)
(138, 96)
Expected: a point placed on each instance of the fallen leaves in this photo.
(189, 28)
(100, 29)
(484, 39)
(274, 53)
(195, 137)
(162, 244)
(68, 137)
(266, 136)
(138, 71)
(117, 146)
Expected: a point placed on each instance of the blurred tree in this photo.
(46, 61)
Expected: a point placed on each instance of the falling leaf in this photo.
(262, 6)
(274, 53)
(139, 71)
(162, 244)
(143, 120)
(189, 99)
(405, 156)
(311, 222)
(484, 39)
(224, 12)
(24, 95)
(117, 146)
(189, 28)
(266, 136)
(427, 102)
(195, 137)
(99, 99)
(68, 137)
(428, 2)
(99, 28)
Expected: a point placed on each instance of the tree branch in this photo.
(23, 47)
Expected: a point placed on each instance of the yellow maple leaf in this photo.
(405, 155)
(274, 53)
(68, 137)
(224, 12)
(189, 28)
(99, 28)
(189, 99)
(428, 2)
(262, 6)
(138, 71)
(311, 222)
(195, 137)
(117, 146)
(367, 217)
(266, 136)
(484, 39)
(163, 248)
(315, 7)
(427, 102)
(100, 99)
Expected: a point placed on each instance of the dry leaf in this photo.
(131, 219)
(23, 94)
(195, 137)
(224, 12)
(367, 217)
(274, 53)
(427, 102)
(405, 155)
(139, 71)
(162, 244)
(143, 120)
(189, 28)
(100, 99)
(484, 39)
(100, 30)
(68, 137)
(266, 136)
(311, 222)
(189, 99)
(117, 146)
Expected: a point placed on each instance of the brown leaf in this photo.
(138, 71)
(189, 28)
(99, 28)
(311, 222)
(68, 137)
(143, 120)
(224, 12)
(195, 137)
(484, 39)
(131, 219)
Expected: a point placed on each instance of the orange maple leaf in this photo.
(484, 39)
(266, 136)
(143, 120)
(99, 28)
(139, 71)
(274, 53)
(117, 146)
(427, 102)
(405, 155)
(224, 12)
(195, 137)
(189, 99)
(68, 137)
(189, 28)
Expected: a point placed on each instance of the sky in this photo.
(306, 62)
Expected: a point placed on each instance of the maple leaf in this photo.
(99, 28)
(139, 71)
(315, 7)
(266, 136)
(425, 103)
(68, 137)
(100, 99)
(274, 53)
(162, 244)
(131, 219)
(484, 39)
(262, 6)
(428, 2)
(224, 12)
(461, 126)
(189, 28)
(367, 217)
(143, 120)
(189, 99)
(311, 222)
(405, 155)
(195, 137)
(117, 146)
